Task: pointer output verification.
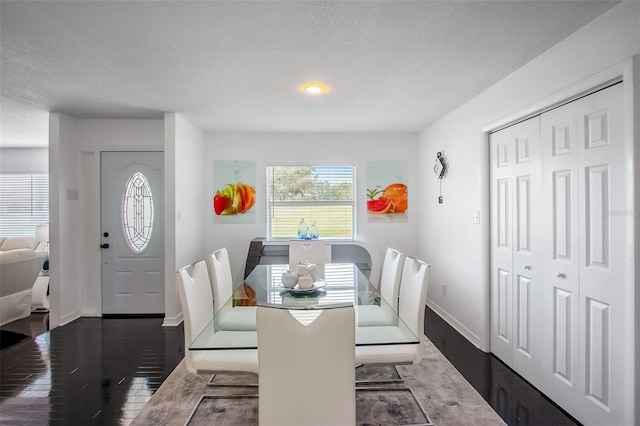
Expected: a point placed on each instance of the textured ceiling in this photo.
(235, 66)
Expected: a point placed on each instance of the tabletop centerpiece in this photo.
(303, 277)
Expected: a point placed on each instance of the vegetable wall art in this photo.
(387, 191)
(234, 185)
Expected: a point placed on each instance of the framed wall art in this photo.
(234, 186)
(387, 191)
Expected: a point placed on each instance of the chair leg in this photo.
(231, 385)
(380, 381)
(206, 396)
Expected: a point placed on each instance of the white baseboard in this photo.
(172, 321)
(66, 319)
(457, 325)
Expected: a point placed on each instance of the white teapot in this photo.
(289, 279)
(306, 268)
(305, 282)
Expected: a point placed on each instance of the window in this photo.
(323, 195)
(137, 212)
(24, 203)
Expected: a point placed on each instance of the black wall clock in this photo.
(440, 169)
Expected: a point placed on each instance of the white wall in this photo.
(24, 160)
(448, 238)
(634, 126)
(94, 136)
(64, 247)
(266, 149)
(74, 166)
(185, 196)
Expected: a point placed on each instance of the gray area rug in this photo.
(434, 386)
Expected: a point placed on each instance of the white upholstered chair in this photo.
(306, 372)
(411, 306)
(194, 291)
(314, 251)
(368, 315)
(239, 317)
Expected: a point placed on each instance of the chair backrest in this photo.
(306, 372)
(314, 251)
(220, 277)
(413, 294)
(390, 277)
(195, 298)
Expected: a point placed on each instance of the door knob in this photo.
(561, 275)
(527, 267)
(105, 245)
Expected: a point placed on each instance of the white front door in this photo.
(132, 203)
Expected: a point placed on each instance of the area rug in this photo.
(10, 338)
(433, 386)
(374, 406)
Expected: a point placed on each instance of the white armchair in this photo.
(314, 251)
(413, 297)
(239, 317)
(306, 371)
(389, 287)
(194, 291)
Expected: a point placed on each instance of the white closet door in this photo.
(604, 254)
(560, 253)
(515, 206)
(585, 259)
(502, 159)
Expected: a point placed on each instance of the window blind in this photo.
(24, 203)
(323, 195)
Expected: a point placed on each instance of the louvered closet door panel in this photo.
(514, 203)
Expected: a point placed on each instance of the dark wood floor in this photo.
(512, 397)
(102, 371)
(91, 372)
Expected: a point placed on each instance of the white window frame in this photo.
(353, 202)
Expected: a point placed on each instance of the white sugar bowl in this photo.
(306, 268)
(289, 279)
(305, 282)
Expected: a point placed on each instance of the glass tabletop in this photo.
(234, 326)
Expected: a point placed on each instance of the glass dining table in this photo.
(234, 325)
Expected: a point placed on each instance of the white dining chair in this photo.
(221, 279)
(194, 292)
(306, 372)
(313, 251)
(389, 287)
(413, 296)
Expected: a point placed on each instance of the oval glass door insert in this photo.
(137, 212)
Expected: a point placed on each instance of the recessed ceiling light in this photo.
(314, 88)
